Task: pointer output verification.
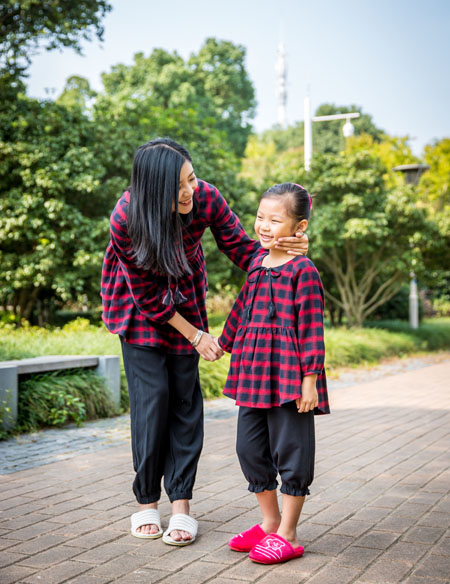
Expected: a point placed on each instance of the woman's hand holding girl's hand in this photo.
(297, 245)
(309, 399)
(208, 348)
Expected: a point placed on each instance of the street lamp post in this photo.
(347, 130)
(412, 174)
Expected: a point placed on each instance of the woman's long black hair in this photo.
(154, 229)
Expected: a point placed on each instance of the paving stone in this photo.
(223, 555)
(38, 528)
(51, 556)
(374, 503)
(351, 527)
(10, 557)
(142, 576)
(421, 534)
(434, 566)
(104, 552)
(195, 573)
(309, 531)
(377, 539)
(406, 552)
(396, 523)
(427, 580)
(56, 574)
(177, 560)
(334, 574)
(80, 527)
(274, 576)
(442, 547)
(39, 544)
(357, 557)
(247, 570)
(436, 519)
(117, 567)
(14, 573)
(385, 572)
(93, 539)
(330, 544)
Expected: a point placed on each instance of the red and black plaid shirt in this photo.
(138, 303)
(275, 335)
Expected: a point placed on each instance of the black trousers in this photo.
(276, 440)
(166, 410)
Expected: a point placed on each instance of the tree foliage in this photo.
(214, 83)
(434, 186)
(51, 23)
(51, 225)
(63, 165)
(366, 236)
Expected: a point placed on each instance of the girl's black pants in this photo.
(276, 440)
(166, 410)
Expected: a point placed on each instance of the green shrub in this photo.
(442, 306)
(432, 335)
(54, 399)
(213, 376)
(351, 347)
(345, 348)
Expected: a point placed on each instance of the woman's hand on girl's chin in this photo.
(297, 245)
(208, 348)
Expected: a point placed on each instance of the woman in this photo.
(153, 292)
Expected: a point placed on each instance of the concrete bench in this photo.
(108, 366)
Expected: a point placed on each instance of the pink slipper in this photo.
(245, 541)
(274, 549)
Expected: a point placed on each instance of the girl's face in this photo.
(188, 184)
(273, 221)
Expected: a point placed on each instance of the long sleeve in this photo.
(231, 238)
(144, 286)
(226, 339)
(310, 305)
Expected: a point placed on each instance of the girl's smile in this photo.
(272, 221)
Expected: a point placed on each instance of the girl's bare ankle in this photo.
(270, 525)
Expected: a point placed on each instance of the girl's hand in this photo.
(208, 348)
(297, 245)
(309, 399)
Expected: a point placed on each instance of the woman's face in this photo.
(188, 184)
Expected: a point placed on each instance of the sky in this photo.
(390, 57)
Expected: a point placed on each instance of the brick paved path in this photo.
(379, 510)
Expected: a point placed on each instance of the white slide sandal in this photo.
(181, 522)
(146, 517)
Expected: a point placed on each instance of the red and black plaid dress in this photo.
(275, 335)
(138, 303)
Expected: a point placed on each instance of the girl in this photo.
(153, 292)
(275, 335)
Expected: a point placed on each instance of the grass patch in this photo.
(345, 348)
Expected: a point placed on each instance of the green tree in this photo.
(52, 227)
(49, 23)
(434, 186)
(366, 237)
(219, 73)
(391, 150)
(77, 93)
(213, 83)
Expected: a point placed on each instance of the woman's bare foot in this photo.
(180, 506)
(148, 529)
